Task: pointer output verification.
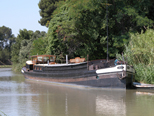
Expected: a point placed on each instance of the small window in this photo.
(34, 59)
(39, 58)
(45, 59)
(52, 59)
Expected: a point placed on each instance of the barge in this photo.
(97, 73)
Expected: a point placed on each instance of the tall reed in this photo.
(140, 53)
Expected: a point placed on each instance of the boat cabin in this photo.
(40, 59)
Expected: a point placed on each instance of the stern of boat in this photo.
(123, 75)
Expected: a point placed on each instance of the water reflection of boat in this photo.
(78, 102)
(143, 85)
(111, 104)
(98, 73)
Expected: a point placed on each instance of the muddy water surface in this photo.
(20, 97)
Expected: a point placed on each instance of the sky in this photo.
(20, 14)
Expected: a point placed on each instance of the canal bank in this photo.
(5, 66)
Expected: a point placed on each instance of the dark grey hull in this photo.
(79, 75)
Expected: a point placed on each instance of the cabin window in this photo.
(52, 59)
(34, 59)
(45, 59)
(39, 58)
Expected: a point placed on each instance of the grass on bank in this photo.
(5, 66)
(16, 67)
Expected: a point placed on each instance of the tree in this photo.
(24, 52)
(38, 47)
(22, 47)
(46, 9)
(4, 55)
(23, 34)
(76, 29)
(25, 38)
(6, 40)
(5, 36)
(27, 45)
(84, 22)
(1, 42)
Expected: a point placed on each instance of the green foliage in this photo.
(5, 35)
(38, 47)
(6, 40)
(5, 66)
(22, 47)
(56, 38)
(140, 53)
(23, 34)
(15, 51)
(78, 27)
(16, 67)
(4, 55)
(141, 48)
(144, 73)
(46, 9)
(24, 50)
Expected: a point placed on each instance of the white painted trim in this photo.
(52, 65)
(111, 69)
(115, 69)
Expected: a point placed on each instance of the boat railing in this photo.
(102, 63)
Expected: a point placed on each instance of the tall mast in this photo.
(107, 27)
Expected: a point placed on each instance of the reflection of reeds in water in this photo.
(144, 93)
(140, 53)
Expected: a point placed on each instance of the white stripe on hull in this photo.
(116, 69)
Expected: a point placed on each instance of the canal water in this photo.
(20, 97)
